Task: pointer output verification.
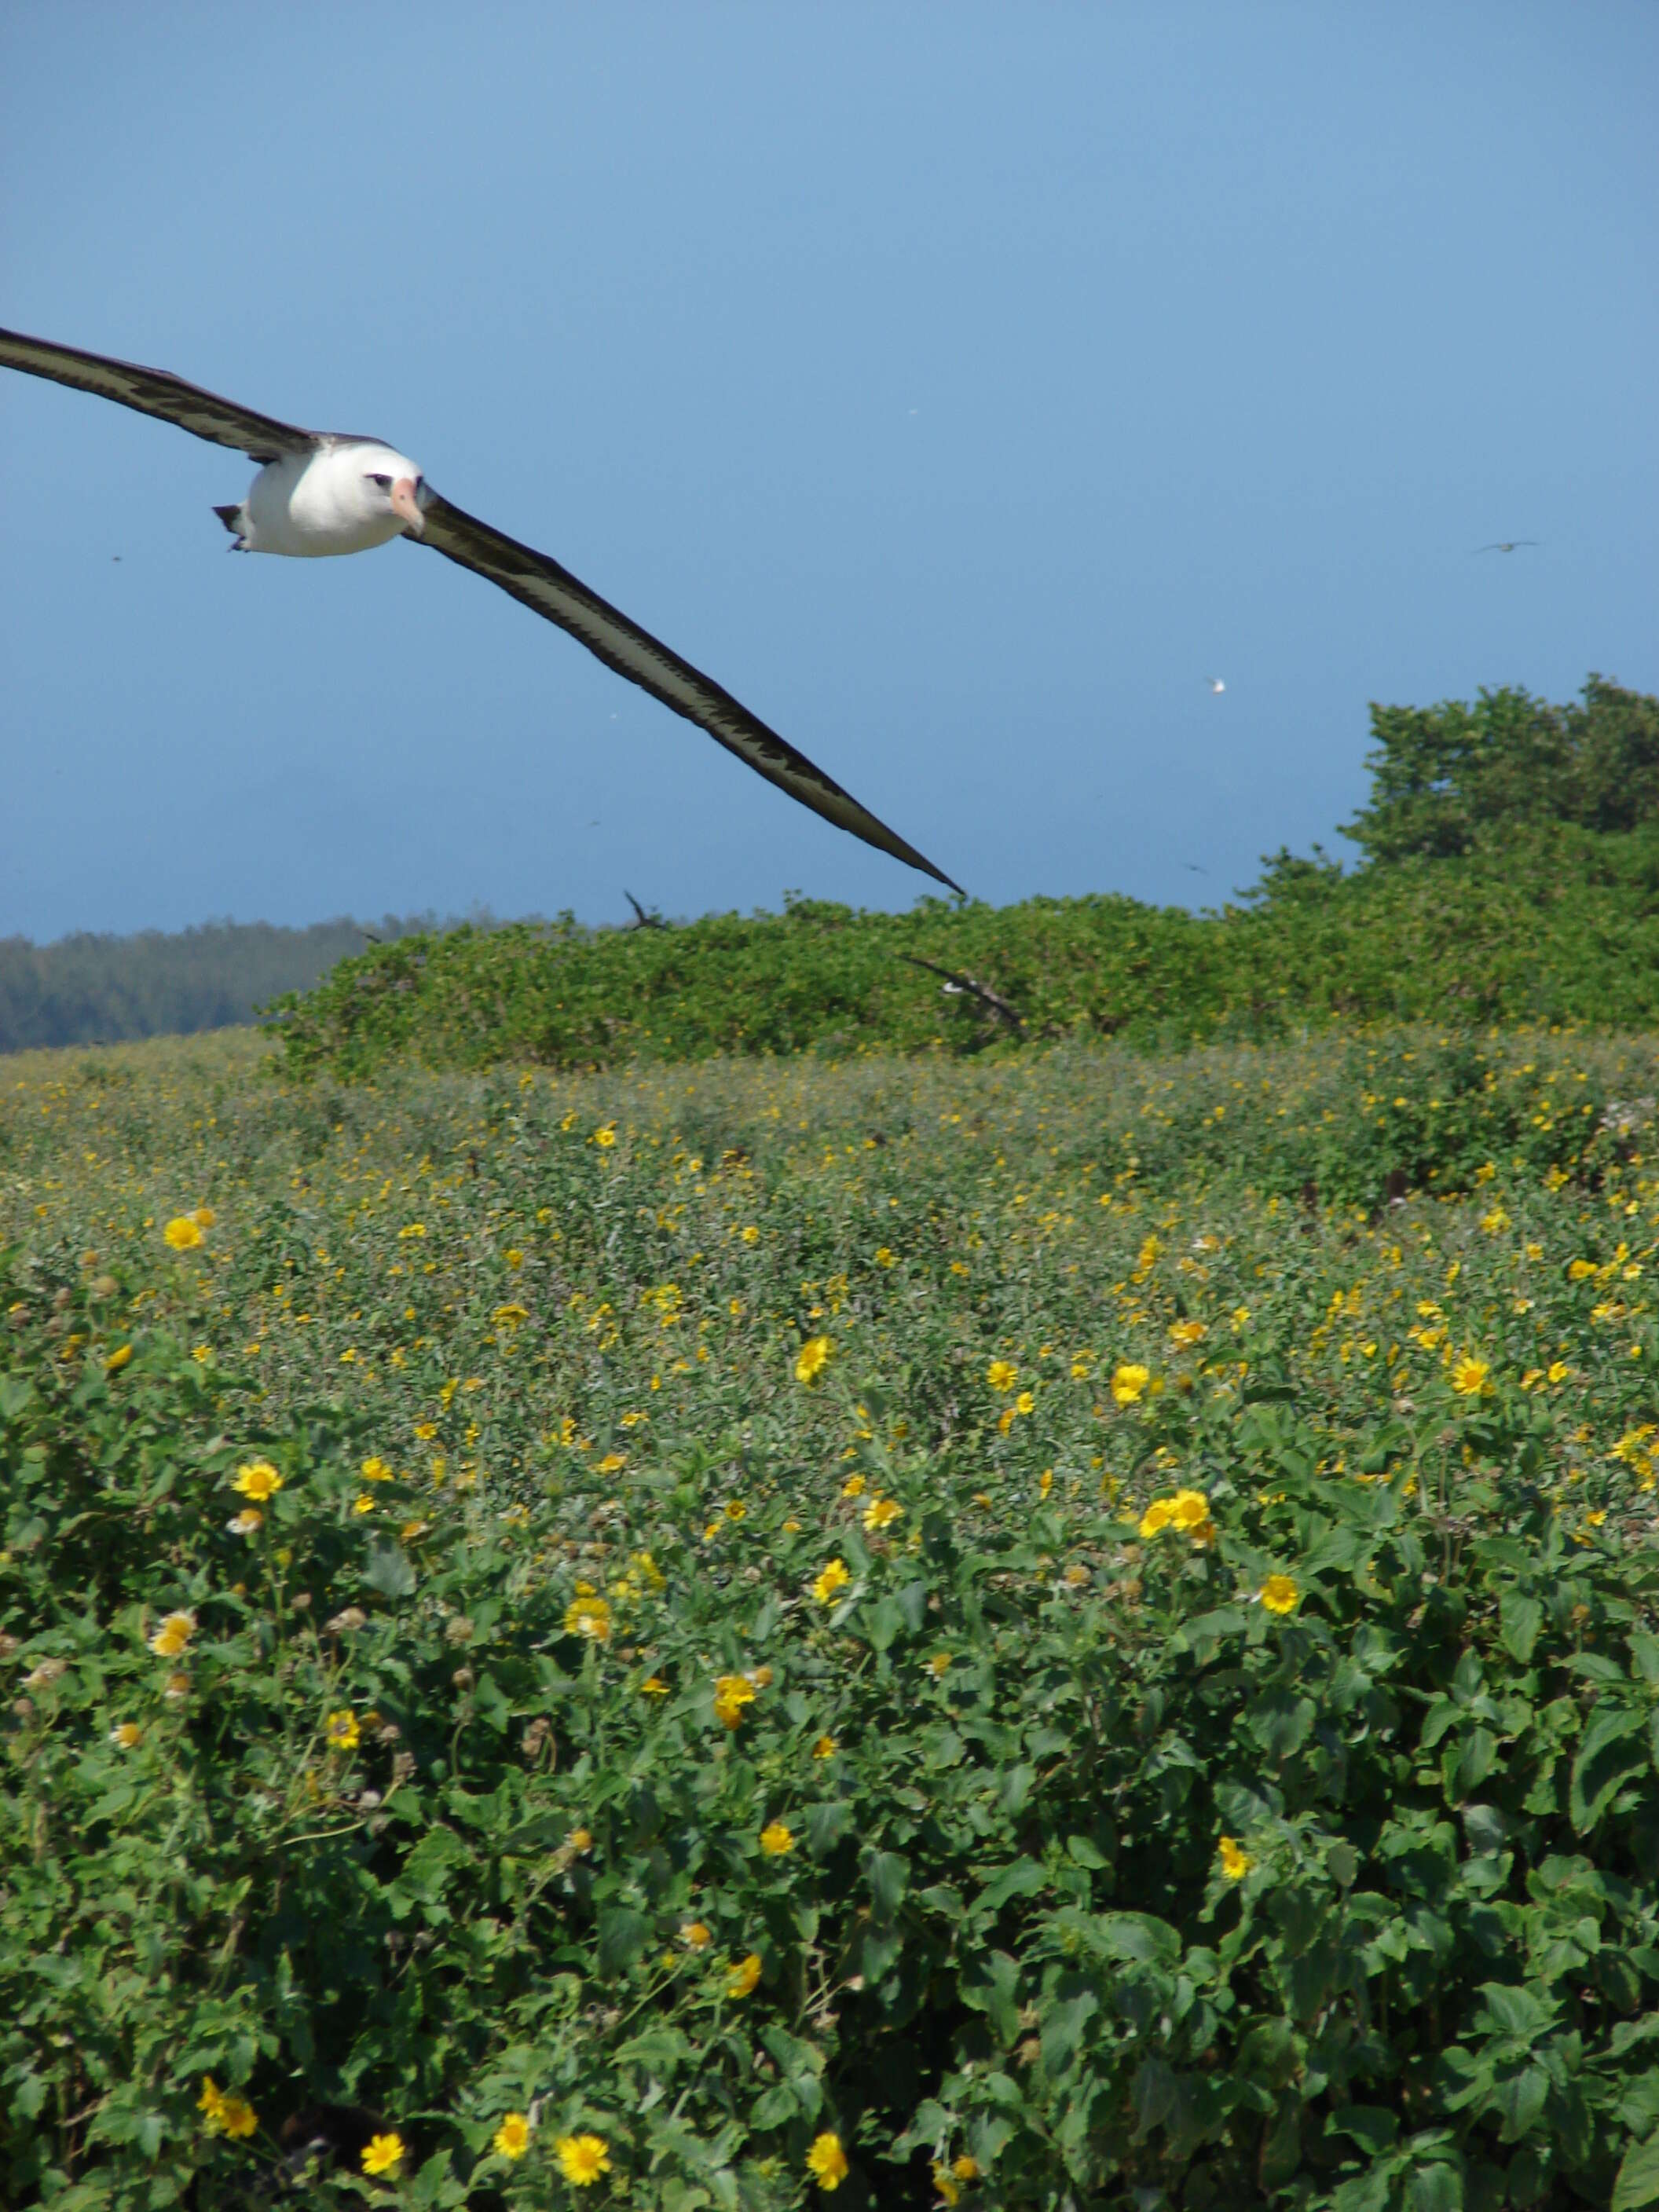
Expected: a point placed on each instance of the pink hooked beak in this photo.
(404, 502)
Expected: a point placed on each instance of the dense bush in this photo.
(1220, 1767)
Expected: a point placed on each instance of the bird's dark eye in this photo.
(385, 483)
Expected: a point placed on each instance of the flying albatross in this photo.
(321, 492)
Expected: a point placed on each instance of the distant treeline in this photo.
(88, 989)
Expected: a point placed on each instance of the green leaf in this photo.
(889, 1876)
(390, 1572)
(1022, 1879)
(623, 1934)
(1638, 2180)
(1606, 1757)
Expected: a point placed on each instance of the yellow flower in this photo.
(580, 1840)
(751, 1235)
(605, 1137)
(834, 1578)
(965, 2168)
(257, 1479)
(827, 2161)
(948, 2191)
(744, 1976)
(384, 2154)
(171, 1638)
(1129, 1381)
(825, 1747)
(183, 1232)
(588, 1616)
(1189, 1509)
(341, 1731)
(583, 2159)
(1188, 1332)
(881, 1513)
(1235, 1863)
(204, 1217)
(884, 1258)
(731, 1693)
(613, 1463)
(777, 1840)
(176, 1687)
(225, 2114)
(939, 1665)
(1469, 1376)
(1002, 1374)
(814, 1358)
(1156, 1517)
(512, 2138)
(117, 1359)
(247, 1523)
(1280, 1593)
(695, 1935)
(653, 1686)
(854, 1487)
(376, 1469)
(363, 1502)
(1026, 1402)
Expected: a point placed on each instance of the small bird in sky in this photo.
(1506, 545)
(320, 493)
(1216, 683)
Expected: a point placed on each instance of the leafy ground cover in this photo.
(1067, 1630)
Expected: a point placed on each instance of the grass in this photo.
(731, 1667)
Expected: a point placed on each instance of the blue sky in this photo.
(960, 385)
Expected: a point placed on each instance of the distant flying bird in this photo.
(1506, 545)
(320, 493)
(1216, 683)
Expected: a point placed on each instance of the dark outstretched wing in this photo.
(552, 592)
(156, 392)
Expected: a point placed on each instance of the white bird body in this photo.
(337, 499)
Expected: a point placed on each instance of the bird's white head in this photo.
(391, 484)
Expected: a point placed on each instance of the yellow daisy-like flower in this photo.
(247, 1523)
(1002, 1374)
(653, 1686)
(204, 1217)
(605, 1137)
(613, 1463)
(589, 1617)
(1280, 1593)
(512, 2138)
(127, 1735)
(731, 1693)
(341, 1731)
(363, 1503)
(225, 2114)
(257, 1479)
(171, 1638)
(1188, 1332)
(117, 1359)
(965, 2168)
(777, 1839)
(825, 1747)
(374, 1469)
(1158, 1516)
(583, 2159)
(854, 1487)
(943, 2181)
(1468, 1376)
(383, 2154)
(1189, 1509)
(834, 1578)
(813, 1359)
(827, 2161)
(1235, 1863)
(695, 1935)
(183, 1232)
(1129, 1381)
(881, 1513)
(744, 1976)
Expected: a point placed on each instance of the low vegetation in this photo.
(1043, 1631)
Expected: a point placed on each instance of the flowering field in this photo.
(1074, 1631)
